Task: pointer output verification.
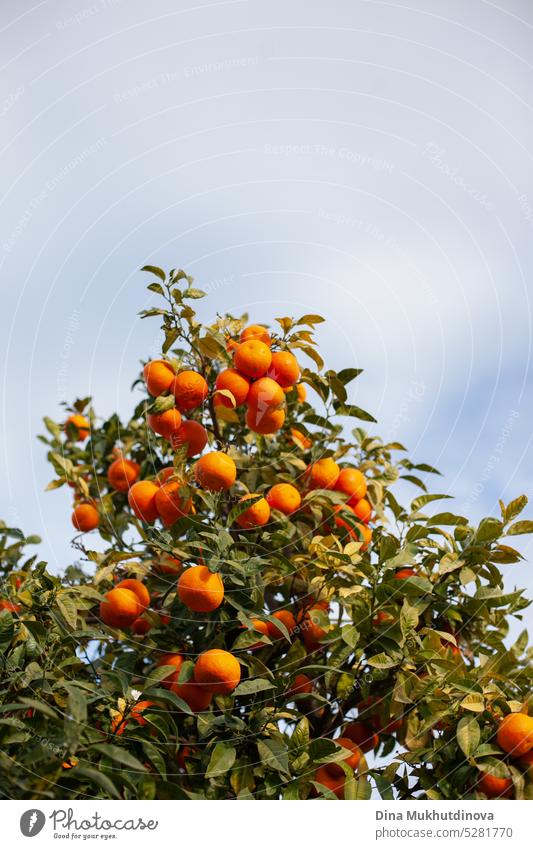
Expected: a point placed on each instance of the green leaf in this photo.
(383, 661)
(195, 294)
(310, 319)
(322, 749)
(161, 404)
(425, 499)
(170, 338)
(354, 412)
(474, 702)
(7, 629)
(99, 778)
(67, 608)
(408, 618)
(489, 529)
(42, 707)
(274, 754)
(514, 508)
(153, 269)
(346, 375)
(525, 527)
(468, 735)
(221, 761)
(254, 685)
(120, 755)
(300, 736)
(242, 507)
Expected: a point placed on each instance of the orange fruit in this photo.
(138, 588)
(311, 629)
(215, 471)
(265, 394)
(353, 756)
(236, 383)
(256, 516)
(336, 785)
(362, 735)
(166, 424)
(527, 759)
(495, 788)
(287, 618)
(253, 358)
(382, 618)
(285, 498)
(198, 698)
(85, 517)
(167, 565)
(256, 331)
(9, 605)
(141, 626)
(119, 723)
(158, 375)
(120, 609)
(217, 671)
(515, 734)
(284, 368)
(201, 590)
(262, 627)
(323, 474)
(190, 390)
(191, 435)
(141, 499)
(122, 474)
(302, 441)
(174, 660)
(80, 424)
(267, 422)
(164, 474)
(363, 510)
(301, 391)
(402, 574)
(353, 483)
(301, 685)
(171, 504)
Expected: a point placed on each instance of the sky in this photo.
(367, 160)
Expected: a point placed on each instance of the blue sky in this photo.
(367, 160)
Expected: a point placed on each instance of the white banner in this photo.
(222, 824)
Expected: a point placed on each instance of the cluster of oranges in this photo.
(515, 737)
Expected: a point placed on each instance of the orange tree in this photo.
(261, 617)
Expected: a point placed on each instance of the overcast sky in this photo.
(367, 160)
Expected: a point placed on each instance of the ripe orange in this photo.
(166, 424)
(119, 723)
(256, 331)
(121, 608)
(193, 435)
(353, 756)
(336, 785)
(217, 671)
(267, 422)
(198, 698)
(262, 627)
(284, 368)
(174, 660)
(300, 686)
(287, 618)
(141, 626)
(515, 734)
(138, 588)
(285, 498)
(158, 375)
(265, 394)
(215, 471)
(253, 358)
(164, 474)
(353, 483)
(171, 503)
(9, 605)
(256, 516)
(302, 441)
(85, 517)
(363, 510)
(232, 381)
(80, 424)
(301, 391)
(495, 788)
(190, 390)
(312, 630)
(122, 474)
(362, 735)
(167, 565)
(201, 590)
(141, 499)
(323, 474)
(402, 574)
(382, 618)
